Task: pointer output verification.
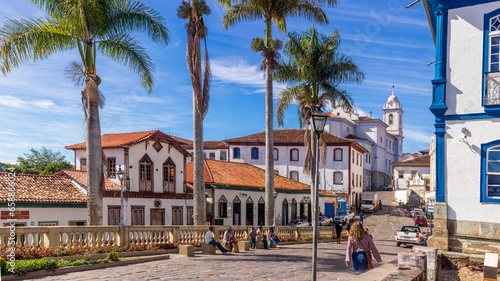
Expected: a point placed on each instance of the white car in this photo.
(343, 217)
(412, 213)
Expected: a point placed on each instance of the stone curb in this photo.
(120, 254)
(69, 269)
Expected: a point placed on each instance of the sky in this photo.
(392, 45)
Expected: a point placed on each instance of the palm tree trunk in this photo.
(94, 155)
(199, 204)
(269, 198)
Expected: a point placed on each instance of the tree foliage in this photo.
(42, 161)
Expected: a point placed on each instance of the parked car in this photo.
(407, 235)
(298, 223)
(343, 217)
(412, 213)
(420, 220)
(324, 220)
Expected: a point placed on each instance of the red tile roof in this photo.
(422, 161)
(210, 145)
(126, 139)
(81, 177)
(424, 151)
(294, 137)
(182, 141)
(244, 175)
(41, 189)
(331, 115)
(366, 118)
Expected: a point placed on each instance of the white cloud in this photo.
(29, 104)
(417, 136)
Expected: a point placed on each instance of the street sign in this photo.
(430, 209)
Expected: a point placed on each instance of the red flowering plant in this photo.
(38, 252)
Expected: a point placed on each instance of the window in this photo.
(169, 176)
(294, 175)
(211, 155)
(337, 178)
(356, 180)
(222, 207)
(113, 215)
(255, 153)
(176, 215)
(413, 174)
(352, 178)
(337, 154)
(146, 174)
(276, 154)
(492, 59)
(223, 155)
(190, 213)
(137, 215)
(111, 167)
(357, 159)
(381, 140)
(391, 119)
(294, 155)
(204, 155)
(236, 153)
(77, 223)
(83, 164)
(294, 209)
(48, 223)
(490, 172)
(353, 157)
(401, 174)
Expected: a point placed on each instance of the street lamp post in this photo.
(275, 194)
(120, 174)
(317, 122)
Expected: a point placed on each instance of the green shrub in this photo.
(25, 266)
(78, 262)
(113, 256)
(3, 266)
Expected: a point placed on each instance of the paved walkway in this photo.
(291, 262)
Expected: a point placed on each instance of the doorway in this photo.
(157, 216)
(261, 209)
(285, 212)
(236, 211)
(249, 211)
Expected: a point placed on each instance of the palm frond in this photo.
(31, 40)
(126, 49)
(134, 16)
(238, 13)
(285, 99)
(258, 44)
(75, 72)
(184, 10)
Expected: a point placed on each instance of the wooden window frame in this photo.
(111, 169)
(341, 177)
(152, 173)
(210, 155)
(151, 217)
(224, 213)
(401, 174)
(81, 165)
(291, 154)
(77, 221)
(143, 208)
(341, 154)
(234, 153)
(113, 207)
(225, 155)
(251, 153)
(166, 166)
(277, 156)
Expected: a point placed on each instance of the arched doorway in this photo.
(294, 209)
(249, 211)
(236, 211)
(284, 218)
(305, 209)
(261, 212)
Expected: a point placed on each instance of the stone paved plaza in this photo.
(292, 262)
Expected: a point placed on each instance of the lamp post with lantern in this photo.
(317, 122)
(121, 175)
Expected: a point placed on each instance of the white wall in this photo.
(167, 204)
(137, 151)
(61, 215)
(465, 58)
(463, 172)
(401, 183)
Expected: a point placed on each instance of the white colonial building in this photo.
(466, 104)
(412, 181)
(236, 193)
(154, 165)
(383, 140)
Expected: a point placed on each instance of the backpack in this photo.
(253, 233)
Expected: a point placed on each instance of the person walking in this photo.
(406, 212)
(357, 252)
(349, 226)
(253, 236)
(210, 240)
(361, 217)
(380, 204)
(398, 213)
(338, 229)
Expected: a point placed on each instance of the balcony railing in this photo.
(492, 88)
(100, 236)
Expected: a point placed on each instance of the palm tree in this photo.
(193, 11)
(270, 11)
(315, 71)
(91, 26)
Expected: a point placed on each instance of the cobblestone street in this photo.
(292, 262)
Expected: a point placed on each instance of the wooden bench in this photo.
(208, 249)
(186, 250)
